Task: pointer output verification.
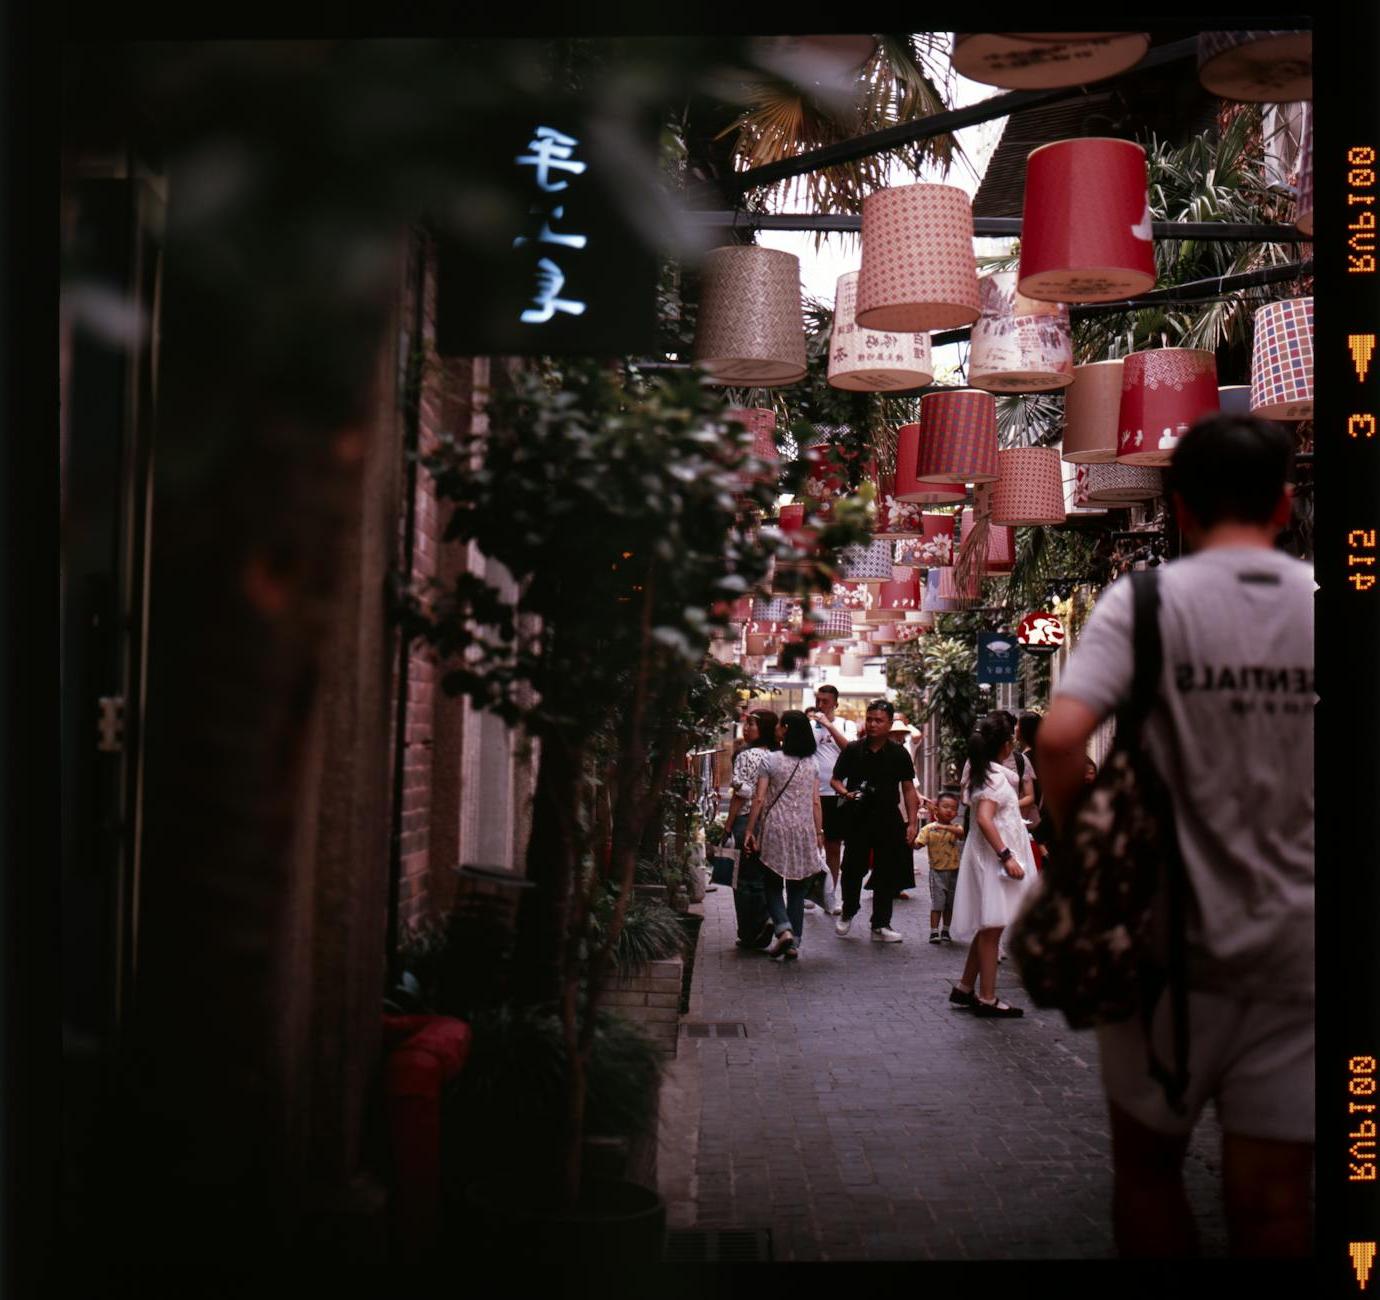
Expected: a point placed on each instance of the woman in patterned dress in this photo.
(786, 828)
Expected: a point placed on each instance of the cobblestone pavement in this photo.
(864, 1118)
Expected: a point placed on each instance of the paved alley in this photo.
(865, 1118)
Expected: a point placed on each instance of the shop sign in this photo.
(1041, 633)
(996, 659)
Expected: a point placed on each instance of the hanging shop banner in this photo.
(996, 658)
(547, 257)
(1041, 633)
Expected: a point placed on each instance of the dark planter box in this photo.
(692, 921)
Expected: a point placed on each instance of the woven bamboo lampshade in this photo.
(751, 332)
(870, 563)
(1234, 399)
(1164, 391)
(760, 422)
(1282, 361)
(918, 269)
(958, 437)
(873, 361)
(1044, 60)
(1092, 412)
(1258, 67)
(910, 488)
(1076, 491)
(1303, 209)
(1122, 485)
(1019, 344)
(1030, 491)
(1086, 234)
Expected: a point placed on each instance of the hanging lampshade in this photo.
(894, 598)
(760, 422)
(918, 269)
(852, 597)
(853, 665)
(1282, 361)
(792, 521)
(835, 622)
(1030, 490)
(1000, 551)
(1118, 484)
(771, 615)
(1303, 209)
(1234, 399)
(1086, 234)
(1044, 60)
(941, 595)
(759, 645)
(873, 361)
(828, 476)
(1019, 344)
(1163, 392)
(870, 563)
(1076, 491)
(958, 437)
(910, 488)
(884, 634)
(827, 658)
(1092, 411)
(909, 631)
(895, 519)
(751, 332)
(923, 617)
(725, 652)
(936, 547)
(1257, 67)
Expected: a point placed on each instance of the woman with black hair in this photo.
(749, 896)
(995, 872)
(786, 828)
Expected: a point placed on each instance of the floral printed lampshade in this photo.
(912, 489)
(1257, 67)
(1092, 412)
(918, 268)
(1303, 209)
(1030, 490)
(895, 518)
(1282, 361)
(760, 423)
(869, 563)
(1164, 392)
(853, 598)
(1076, 491)
(958, 437)
(1086, 235)
(936, 547)
(751, 332)
(828, 477)
(1122, 485)
(1044, 60)
(1019, 344)
(873, 361)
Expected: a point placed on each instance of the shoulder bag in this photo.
(1103, 936)
(754, 854)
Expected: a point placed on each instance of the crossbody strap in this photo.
(783, 789)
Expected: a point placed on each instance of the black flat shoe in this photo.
(959, 998)
(1000, 1009)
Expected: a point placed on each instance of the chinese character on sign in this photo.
(549, 236)
(550, 281)
(551, 151)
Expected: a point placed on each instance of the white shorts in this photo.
(1253, 1060)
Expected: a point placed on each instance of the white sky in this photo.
(820, 268)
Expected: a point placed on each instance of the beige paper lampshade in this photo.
(1044, 60)
(873, 361)
(870, 563)
(912, 489)
(1164, 392)
(1076, 491)
(852, 665)
(1303, 209)
(924, 618)
(827, 658)
(1030, 489)
(918, 269)
(1257, 67)
(958, 437)
(751, 332)
(1092, 409)
(1019, 344)
(1116, 484)
(1282, 361)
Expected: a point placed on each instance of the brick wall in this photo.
(650, 998)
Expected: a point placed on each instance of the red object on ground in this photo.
(424, 1053)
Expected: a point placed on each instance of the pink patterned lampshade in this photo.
(1164, 392)
(873, 361)
(1092, 412)
(1001, 542)
(1303, 209)
(1045, 60)
(1019, 344)
(958, 437)
(751, 332)
(884, 634)
(869, 563)
(1122, 485)
(1282, 361)
(1030, 490)
(918, 269)
(910, 487)
(760, 422)
(943, 593)
(1257, 67)
(1076, 491)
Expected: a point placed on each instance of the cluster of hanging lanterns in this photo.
(1086, 237)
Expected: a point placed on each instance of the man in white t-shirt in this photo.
(1231, 733)
(832, 735)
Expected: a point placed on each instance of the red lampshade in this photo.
(1282, 361)
(1019, 344)
(1163, 392)
(918, 269)
(1086, 234)
(792, 522)
(910, 487)
(1044, 60)
(1030, 491)
(854, 598)
(958, 437)
(937, 547)
(893, 599)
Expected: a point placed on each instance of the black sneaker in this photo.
(944, 936)
(934, 936)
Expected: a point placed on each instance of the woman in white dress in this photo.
(786, 828)
(995, 872)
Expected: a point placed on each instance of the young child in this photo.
(941, 839)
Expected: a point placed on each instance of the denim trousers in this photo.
(790, 913)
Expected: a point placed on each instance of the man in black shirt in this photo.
(867, 775)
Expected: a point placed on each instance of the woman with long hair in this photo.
(995, 872)
(755, 929)
(786, 828)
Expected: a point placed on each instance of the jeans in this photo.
(790, 914)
